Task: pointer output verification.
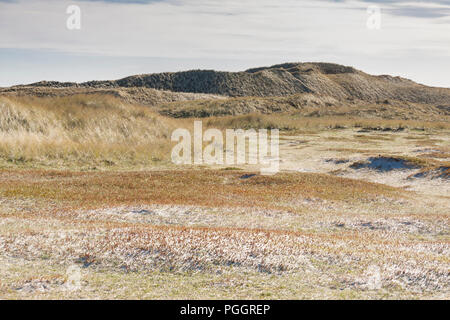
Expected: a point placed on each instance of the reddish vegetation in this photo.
(199, 187)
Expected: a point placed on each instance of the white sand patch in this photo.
(333, 152)
(383, 164)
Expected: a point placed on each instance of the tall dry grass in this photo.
(81, 130)
(102, 131)
(301, 123)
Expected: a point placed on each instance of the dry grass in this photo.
(309, 106)
(288, 236)
(198, 232)
(200, 187)
(98, 131)
(145, 96)
(80, 131)
(301, 124)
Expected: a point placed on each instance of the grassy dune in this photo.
(86, 182)
(89, 131)
(80, 131)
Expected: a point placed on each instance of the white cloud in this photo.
(252, 30)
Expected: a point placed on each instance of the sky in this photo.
(118, 38)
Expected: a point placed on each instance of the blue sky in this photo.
(119, 38)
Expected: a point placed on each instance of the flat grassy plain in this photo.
(360, 209)
(212, 234)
